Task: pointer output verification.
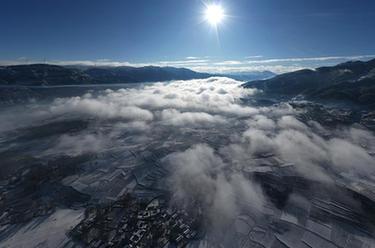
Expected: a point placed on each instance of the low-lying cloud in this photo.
(199, 175)
(222, 137)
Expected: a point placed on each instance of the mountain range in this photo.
(46, 74)
(351, 81)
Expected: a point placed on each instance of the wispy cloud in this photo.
(254, 57)
(229, 62)
(327, 58)
(225, 69)
(183, 62)
(214, 65)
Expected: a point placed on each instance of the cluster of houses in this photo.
(130, 223)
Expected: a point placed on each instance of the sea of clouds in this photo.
(211, 176)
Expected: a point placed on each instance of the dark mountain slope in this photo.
(352, 81)
(305, 81)
(361, 91)
(41, 74)
(44, 74)
(125, 74)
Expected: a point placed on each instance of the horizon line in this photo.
(208, 65)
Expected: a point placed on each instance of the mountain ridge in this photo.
(352, 80)
(47, 74)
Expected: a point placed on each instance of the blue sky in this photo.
(172, 32)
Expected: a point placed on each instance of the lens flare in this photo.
(214, 14)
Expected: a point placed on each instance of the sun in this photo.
(214, 14)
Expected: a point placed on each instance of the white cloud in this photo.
(290, 122)
(185, 63)
(350, 158)
(261, 122)
(229, 62)
(191, 57)
(225, 68)
(198, 175)
(254, 57)
(190, 119)
(107, 107)
(74, 145)
(258, 142)
(308, 153)
(325, 58)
